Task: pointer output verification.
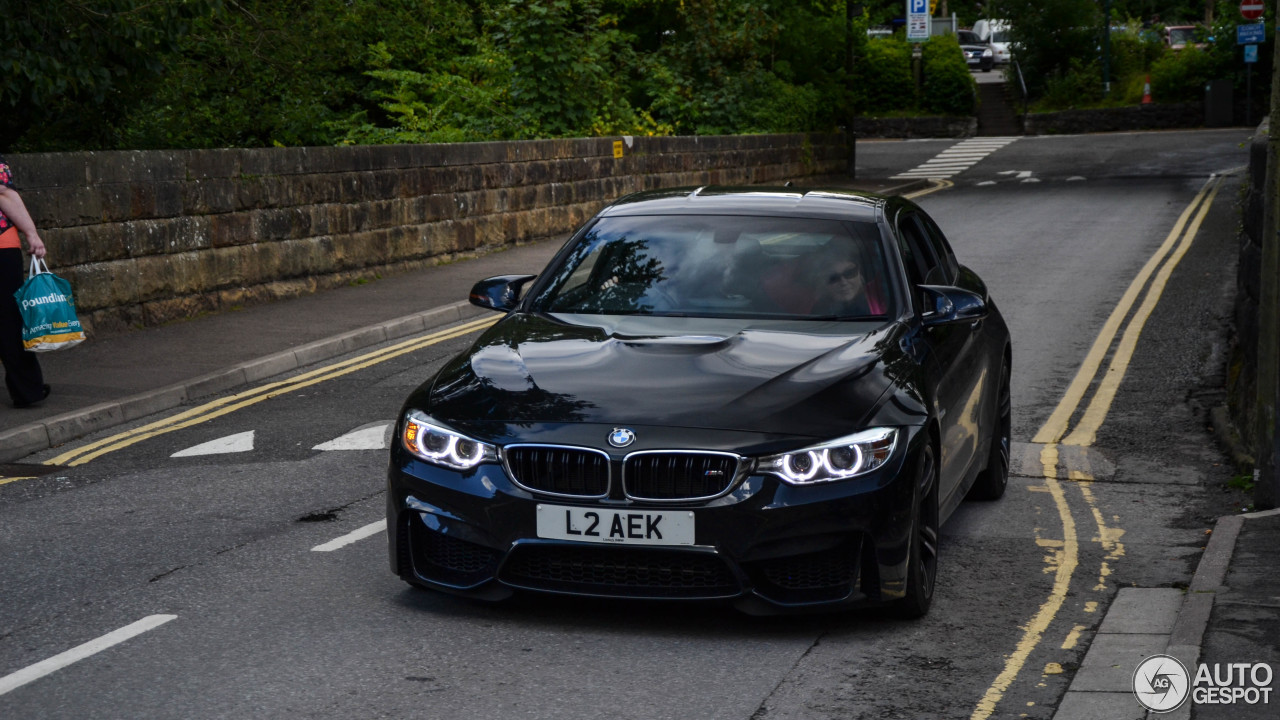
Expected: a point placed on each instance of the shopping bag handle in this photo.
(35, 270)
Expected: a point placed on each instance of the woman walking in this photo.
(22, 375)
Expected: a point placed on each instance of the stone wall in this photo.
(916, 127)
(1242, 369)
(1136, 117)
(151, 236)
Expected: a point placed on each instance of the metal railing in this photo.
(1022, 87)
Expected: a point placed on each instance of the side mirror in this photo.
(499, 293)
(945, 305)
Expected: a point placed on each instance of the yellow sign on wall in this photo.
(617, 148)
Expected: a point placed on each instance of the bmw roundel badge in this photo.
(621, 437)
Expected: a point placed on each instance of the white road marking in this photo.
(376, 436)
(957, 158)
(351, 537)
(80, 652)
(240, 442)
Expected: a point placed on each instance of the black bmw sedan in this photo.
(773, 397)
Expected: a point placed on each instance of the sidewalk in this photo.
(1230, 613)
(108, 381)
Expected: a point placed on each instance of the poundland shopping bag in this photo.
(48, 312)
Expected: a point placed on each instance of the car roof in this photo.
(839, 204)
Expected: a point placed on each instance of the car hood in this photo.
(773, 377)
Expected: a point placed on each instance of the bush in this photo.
(883, 74)
(1049, 35)
(1133, 52)
(948, 87)
(1079, 86)
(1181, 76)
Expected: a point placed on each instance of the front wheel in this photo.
(922, 563)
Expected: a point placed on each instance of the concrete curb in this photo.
(1187, 639)
(53, 431)
(1109, 691)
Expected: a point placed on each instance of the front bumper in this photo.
(978, 62)
(766, 546)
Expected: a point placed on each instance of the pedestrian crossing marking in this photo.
(957, 158)
(238, 443)
(375, 436)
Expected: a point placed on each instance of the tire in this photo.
(922, 562)
(991, 482)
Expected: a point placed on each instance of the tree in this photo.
(71, 65)
(1049, 35)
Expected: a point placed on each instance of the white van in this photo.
(995, 32)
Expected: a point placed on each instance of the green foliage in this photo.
(470, 103)
(1241, 482)
(1061, 65)
(71, 67)
(1181, 76)
(1133, 51)
(949, 89)
(884, 81)
(566, 59)
(1050, 34)
(1080, 85)
(250, 77)
(250, 73)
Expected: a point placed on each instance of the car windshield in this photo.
(1181, 36)
(722, 266)
(968, 37)
(1000, 36)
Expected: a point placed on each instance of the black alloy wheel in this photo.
(922, 565)
(991, 482)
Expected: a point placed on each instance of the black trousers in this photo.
(22, 373)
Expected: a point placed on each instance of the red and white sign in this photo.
(1252, 9)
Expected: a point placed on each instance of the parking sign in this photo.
(917, 20)
(1251, 34)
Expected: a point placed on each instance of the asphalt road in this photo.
(265, 626)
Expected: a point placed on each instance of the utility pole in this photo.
(851, 9)
(1106, 47)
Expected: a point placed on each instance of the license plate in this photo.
(623, 527)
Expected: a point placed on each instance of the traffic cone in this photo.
(1146, 91)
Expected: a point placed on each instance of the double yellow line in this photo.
(1086, 429)
(224, 406)
(1162, 263)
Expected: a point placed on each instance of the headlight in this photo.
(442, 446)
(843, 458)
(986, 53)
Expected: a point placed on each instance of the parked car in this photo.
(769, 397)
(977, 54)
(996, 32)
(1179, 37)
